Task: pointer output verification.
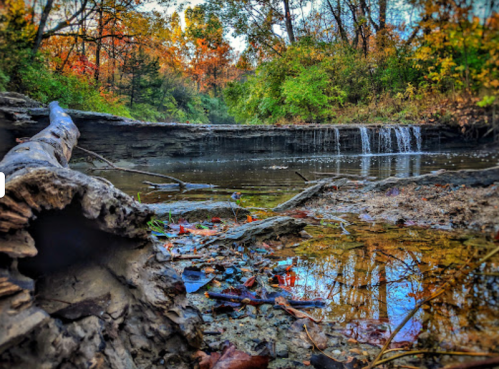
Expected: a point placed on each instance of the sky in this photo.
(237, 43)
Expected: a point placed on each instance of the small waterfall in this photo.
(403, 139)
(385, 140)
(366, 144)
(419, 141)
(337, 140)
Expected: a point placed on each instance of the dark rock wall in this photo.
(121, 138)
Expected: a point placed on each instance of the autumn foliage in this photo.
(304, 61)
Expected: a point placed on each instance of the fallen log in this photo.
(83, 246)
(173, 186)
(307, 194)
(255, 301)
(467, 177)
(261, 230)
(194, 211)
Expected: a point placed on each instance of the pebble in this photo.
(265, 308)
(208, 319)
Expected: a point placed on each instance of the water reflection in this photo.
(268, 181)
(375, 276)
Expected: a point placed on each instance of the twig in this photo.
(437, 293)
(429, 352)
(310, 338)
(301, 176)
(488, 363)
(181, 184)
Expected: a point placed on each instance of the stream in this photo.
(267, 181)
(370, 278)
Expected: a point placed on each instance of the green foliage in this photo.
(72, 91)
(486, 101)
(312, 81)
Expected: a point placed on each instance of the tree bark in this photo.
(41, 26)
(289, 22)
(84, 247)
(337, 17)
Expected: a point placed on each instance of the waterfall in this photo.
(337, 140)
(403, 139)
(385, 140)
(419, 141)
(366, 144)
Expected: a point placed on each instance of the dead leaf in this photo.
(250, 282)
(295, 312)
(202, 232)
(356, 351)
(352, 340)
(232, 359)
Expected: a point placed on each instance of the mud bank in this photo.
(446, 200)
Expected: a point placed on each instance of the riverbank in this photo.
(445, 205)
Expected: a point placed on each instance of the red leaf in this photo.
(250, 282)
(216, 220)
(233, 359)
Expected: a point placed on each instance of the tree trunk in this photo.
(289, 22)
(84, 247)
(41, 26)
(382, 15)
(98, 44)
(337, 17)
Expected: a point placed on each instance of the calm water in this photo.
(375, 276)
(267, 182)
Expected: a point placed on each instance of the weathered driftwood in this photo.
(101, 300)
(260, 230)
(307, 194)
(255, 301)
(176, 186)
(467, 177)
(198, 210)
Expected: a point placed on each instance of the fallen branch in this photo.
(467, 177)
(479, 364)
(181, 183)
(307, 194)
(301, 176)
(433, 296)
(317, 347)
(188, 186)
(429, 352)
(253, 301)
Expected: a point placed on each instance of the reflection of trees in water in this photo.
(385, 279)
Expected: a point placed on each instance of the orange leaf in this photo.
(249, 219)
(295, 312)
(202, 232)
